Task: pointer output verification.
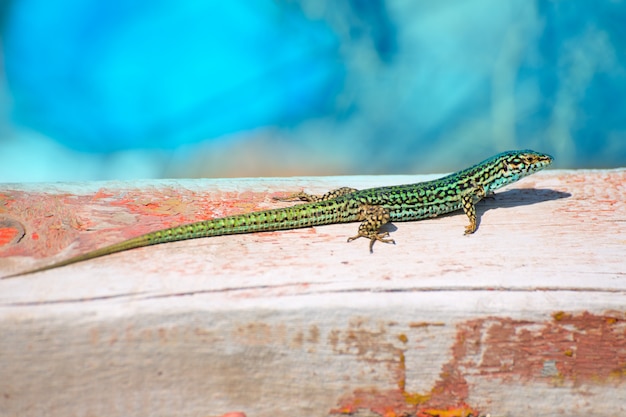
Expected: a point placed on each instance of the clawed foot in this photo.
(373, 238)
(471, 228)
(301, 196)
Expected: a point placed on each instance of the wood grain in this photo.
(525, 317)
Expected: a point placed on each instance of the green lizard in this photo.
(372, 207)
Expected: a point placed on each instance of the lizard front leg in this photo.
(468, 202)
(373, 218)
(302, 196)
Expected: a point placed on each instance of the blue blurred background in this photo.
(120, 89)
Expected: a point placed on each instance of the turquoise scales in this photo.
(372, 207)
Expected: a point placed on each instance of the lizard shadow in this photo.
(522, 197)
(516, 198)
(505, 199)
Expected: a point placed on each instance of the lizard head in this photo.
(510, 166)
(523, 163)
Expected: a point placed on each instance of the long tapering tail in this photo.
(298, 216)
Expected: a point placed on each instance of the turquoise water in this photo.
(97, 89)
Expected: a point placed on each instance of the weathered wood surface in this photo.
(525, 317)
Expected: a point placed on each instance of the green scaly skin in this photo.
(372, 207)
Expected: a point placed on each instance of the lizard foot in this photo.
(301, 196)
(470, 229)
(373, 237)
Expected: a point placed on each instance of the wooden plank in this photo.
(525, 317)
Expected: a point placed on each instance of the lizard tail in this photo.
(133, 243)
(298, 216)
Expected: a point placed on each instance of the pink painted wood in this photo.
(525, 317)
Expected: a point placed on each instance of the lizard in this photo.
(373, 207)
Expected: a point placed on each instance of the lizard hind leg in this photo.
(373, 218)
(311, 198)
